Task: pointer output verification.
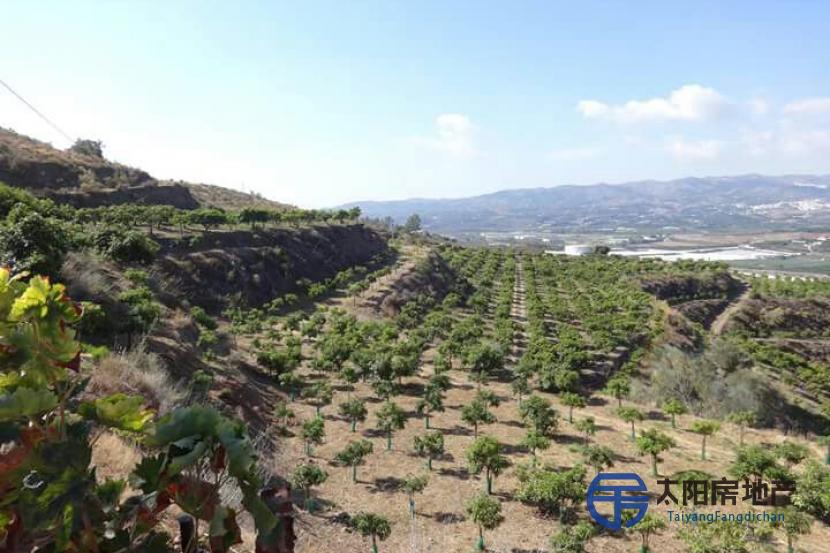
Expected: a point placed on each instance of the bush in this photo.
(31, 242)
(202, 318)
(124, 245)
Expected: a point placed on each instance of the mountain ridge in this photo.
(750, 201)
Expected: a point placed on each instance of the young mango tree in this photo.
(537, 412)
(485, 512)
(647, 527)
(598, 457)
(354, 410)
(291, 381)
(652, 442)
(432, 402)
(618, 386)
(572, 539)
(475, 413)
(305, 477)
(354, 454)
(412, 485)
(630, 415)
(587, 426)
(533, 440)
(795, 523)
(743, 420)
(429, 446)
(390, 418)
(520, 386)
(313, 432)
(572, 400)
(705, 428)
(285, 415)
(673, 408)
(319, 395)
(484, 455)
(372, 526)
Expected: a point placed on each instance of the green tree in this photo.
(372, 526)
(586, 426)
(355, 411)
(413, 223)
(485, 455)
(313, 432)
(476, 412)
(705, 428)
(791, 453)
(432, 402)
(630, 415)
(520, 386)
(390, 418)
(429, 446)
(537, 412)
(812, 491)
(284, 414)
(825, 441)
(618, 386)
(571, 400)
(484, 359)
(742, 419)
(412, 485)
(795, 524)
(572, 539)
(648, 526)
(319, 394)
(533, 440)
(305, 477)
(674, 407)
(597, 457)
(353, 455)
(653, 442)
(485, 512)
(292, 381)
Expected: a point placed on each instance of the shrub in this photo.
(125, 245)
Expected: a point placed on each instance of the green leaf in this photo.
(118, 411)
(25, 402)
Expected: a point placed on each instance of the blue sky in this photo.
(319, 103)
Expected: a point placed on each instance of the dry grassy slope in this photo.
(88, 181)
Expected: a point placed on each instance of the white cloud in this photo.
(699, 150)
(690, 102)
(455, 135)
(574, 154)
(758, 106)
(808, 106)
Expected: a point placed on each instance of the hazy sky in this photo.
(321, 103)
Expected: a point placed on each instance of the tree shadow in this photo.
(457, 431)
(448, 518)
(457, 472)
(388, 484)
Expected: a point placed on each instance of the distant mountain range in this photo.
(747, 202)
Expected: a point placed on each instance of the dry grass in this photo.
(136, 372)
(113, 457)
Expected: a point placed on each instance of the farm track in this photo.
(518, 313)
(720, 322)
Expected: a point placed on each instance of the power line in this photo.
(34, 109)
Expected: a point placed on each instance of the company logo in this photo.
(621, 494)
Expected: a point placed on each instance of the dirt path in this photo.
(717, 326)
(518, 312)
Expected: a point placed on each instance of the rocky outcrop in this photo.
(431, 277)
(803, 318)
(88, 180)
(252, 268)
(675, 288)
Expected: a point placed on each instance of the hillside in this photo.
(749, 202)
(86, 179)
